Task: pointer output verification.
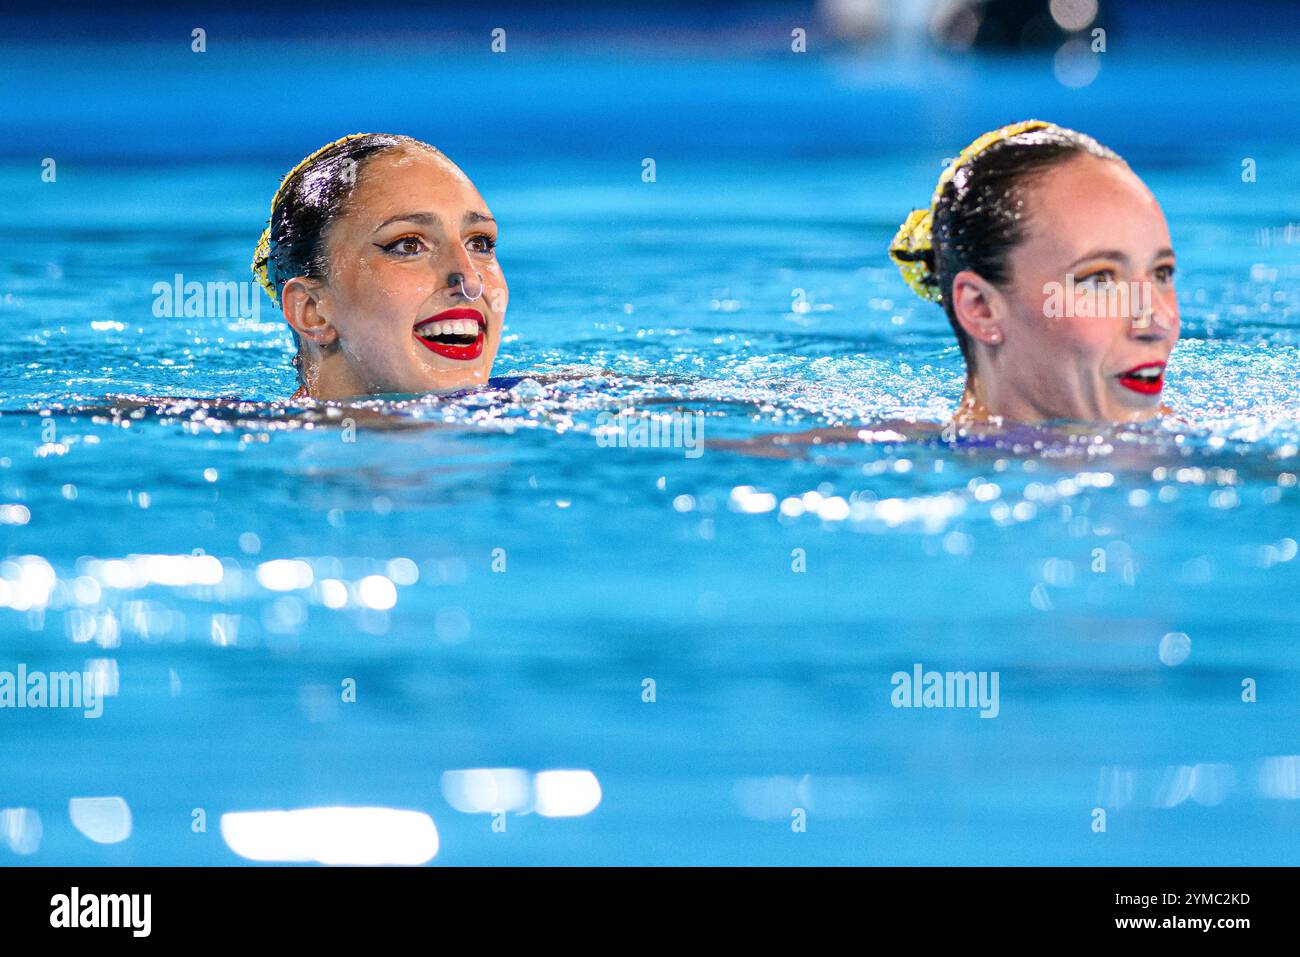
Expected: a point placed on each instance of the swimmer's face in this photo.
(1089, 318)
(393, 313)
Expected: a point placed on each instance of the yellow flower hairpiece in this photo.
(262, 254)
(915, 237)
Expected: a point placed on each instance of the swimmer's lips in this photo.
(1148, 378)
(454, 347)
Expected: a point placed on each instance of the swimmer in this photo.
(1054, 265)
(382, 256)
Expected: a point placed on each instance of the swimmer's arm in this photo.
(234, 411)
(792, 445)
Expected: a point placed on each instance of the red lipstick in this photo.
(453, 334)
(1148, 378)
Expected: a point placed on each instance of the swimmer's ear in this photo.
(979, 306)
(301, 304)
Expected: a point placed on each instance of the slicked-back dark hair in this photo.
(309, 200)
(313, 197)
(980, 216)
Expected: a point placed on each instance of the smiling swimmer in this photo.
(382, 255)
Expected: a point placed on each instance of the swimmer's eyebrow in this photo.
(1100, 254)
(1163, 253)
(428, 219)
(420, 219)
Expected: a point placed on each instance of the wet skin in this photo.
(1093, 220)
(413, 226)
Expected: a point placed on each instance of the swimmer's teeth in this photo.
(1149, 374)
(449, 327)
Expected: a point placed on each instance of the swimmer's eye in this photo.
(483, 244)
(1102, 277)
(1164, 274)
(403, 246)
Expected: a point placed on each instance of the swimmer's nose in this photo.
(1155, 325)
(462, 273)
(1156, 322)
(468, 289)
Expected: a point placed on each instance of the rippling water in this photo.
(497, 589)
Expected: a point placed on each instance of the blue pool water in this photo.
(498, 586)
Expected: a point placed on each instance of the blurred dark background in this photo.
(1164, 81)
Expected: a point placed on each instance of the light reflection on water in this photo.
(301, 620)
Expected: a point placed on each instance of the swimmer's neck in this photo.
(972, 410)
(975, 410)
(325, 375)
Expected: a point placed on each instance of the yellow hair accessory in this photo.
(915, 237)
(262, 254)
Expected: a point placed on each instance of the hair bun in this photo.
(913, 253)
(261, 263)
(913, 247)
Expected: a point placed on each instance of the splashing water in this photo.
(298, 610)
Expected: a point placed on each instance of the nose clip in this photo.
(458, 279)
